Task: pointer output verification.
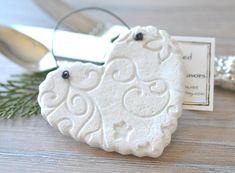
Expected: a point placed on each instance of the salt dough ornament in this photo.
(129, 105)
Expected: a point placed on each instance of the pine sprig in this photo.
(18, 96)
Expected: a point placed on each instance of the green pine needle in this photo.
(18, 96)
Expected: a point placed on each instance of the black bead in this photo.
(139, 36)
(65, 74)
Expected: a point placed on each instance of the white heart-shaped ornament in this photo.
(130, 104)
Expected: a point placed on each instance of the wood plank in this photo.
(77, 22)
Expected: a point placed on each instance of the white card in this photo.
(198, 55)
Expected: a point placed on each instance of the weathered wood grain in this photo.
(203, 142)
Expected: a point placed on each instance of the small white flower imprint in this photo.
(122, 130)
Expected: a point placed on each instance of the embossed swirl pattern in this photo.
(68, 104)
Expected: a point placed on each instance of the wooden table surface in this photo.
(203, 142)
